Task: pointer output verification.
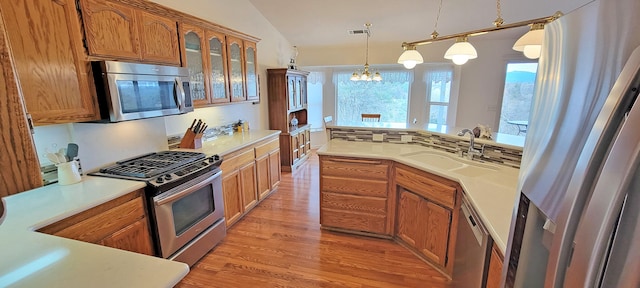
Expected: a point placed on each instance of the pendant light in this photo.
(461, 51)
(410, 57)
(366, 75)
(531, 42)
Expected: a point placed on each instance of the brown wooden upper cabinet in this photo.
(223, 68)
(251, 69)
(218, 69)
(235, 48)
(118, 31)
(46, 44)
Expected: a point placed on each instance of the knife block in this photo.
(191, 140)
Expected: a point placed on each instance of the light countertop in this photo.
(33, 259)
(499, 139)
(492, 194)
(226, 144)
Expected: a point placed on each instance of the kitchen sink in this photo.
(474, 171)
(434, 159)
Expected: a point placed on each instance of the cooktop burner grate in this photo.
(150, 165)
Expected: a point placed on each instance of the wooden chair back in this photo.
(370, 117)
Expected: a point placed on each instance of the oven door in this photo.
(132, 96)
(182, 213)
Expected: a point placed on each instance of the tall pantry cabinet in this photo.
(288, 100)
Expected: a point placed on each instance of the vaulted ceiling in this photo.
(311, 23)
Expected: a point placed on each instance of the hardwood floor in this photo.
(280, 244)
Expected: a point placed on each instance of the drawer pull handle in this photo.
(356, 161)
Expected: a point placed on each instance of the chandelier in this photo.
(365, 75)
(461, 51)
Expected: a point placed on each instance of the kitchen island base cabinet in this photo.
(427, 215)
(424, 226)
(354, 195)
(120, 223)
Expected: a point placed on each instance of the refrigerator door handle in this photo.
(597, 226)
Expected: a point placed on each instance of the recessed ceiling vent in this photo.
(366, 31)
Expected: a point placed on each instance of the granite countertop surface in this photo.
(491, 191)
(499, 139)
(33, 259)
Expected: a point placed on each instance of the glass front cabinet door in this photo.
(194, 45)
(253, 94)
(236, 68)
(218, 67)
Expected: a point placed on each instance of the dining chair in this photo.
(370, 117)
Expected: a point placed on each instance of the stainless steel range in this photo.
(184, 200)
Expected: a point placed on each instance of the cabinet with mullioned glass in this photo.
(222, 68)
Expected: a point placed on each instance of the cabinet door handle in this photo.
(373, 162)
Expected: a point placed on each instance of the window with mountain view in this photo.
(516, 100)
(389, 97)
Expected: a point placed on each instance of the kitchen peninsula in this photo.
(417, 174)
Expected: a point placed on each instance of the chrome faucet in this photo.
(471, 151)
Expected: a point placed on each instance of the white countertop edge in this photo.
(500, 237)
(73, 263)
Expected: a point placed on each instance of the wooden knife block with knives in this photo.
(193, 137)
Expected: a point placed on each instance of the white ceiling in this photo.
(309, 23)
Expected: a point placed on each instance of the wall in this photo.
(481, 79)
(102, 144)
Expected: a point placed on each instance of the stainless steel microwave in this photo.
(129, 91)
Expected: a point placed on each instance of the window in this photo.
(389, 97)
(315, 81)
(516, 99)
(438, 96)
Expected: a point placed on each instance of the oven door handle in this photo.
(179, 193)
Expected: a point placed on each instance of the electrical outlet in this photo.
(378, 137)
(406, 138)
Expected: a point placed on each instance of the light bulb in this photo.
(409, 64)
(532, 51)
(459, 59)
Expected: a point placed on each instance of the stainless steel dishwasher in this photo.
(471, 249)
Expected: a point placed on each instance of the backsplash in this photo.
(447, 143)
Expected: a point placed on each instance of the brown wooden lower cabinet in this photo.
(248, 176)
(495, 268)
(386, 199)
(120, 223)
(427, 215)
(424, 225)
(354, 195)
(231, 194)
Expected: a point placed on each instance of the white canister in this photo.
(68, 173)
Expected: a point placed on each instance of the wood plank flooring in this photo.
(280, 244)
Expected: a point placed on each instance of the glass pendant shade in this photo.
(531, 42)
(461, 52)
(377, 77)
(410, 58)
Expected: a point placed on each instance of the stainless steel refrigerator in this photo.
(576, 220)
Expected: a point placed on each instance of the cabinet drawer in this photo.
(353, 220)
(96, 228)
(370, 205)
(237, 159)
(362, 187)
(355, 168)
(267, 147)
(426, 187)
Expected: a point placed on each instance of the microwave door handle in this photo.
(179, 94)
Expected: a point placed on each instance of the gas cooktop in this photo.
(152, 164)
